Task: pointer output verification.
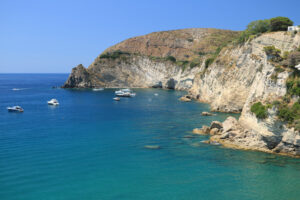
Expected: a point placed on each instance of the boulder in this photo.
(205, 129)
(214, 131)
(201, 131)
(185, 98)
(224, 136)
(197, 131)
(229, 124)
(216, 124)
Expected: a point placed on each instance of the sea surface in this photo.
(92, 148)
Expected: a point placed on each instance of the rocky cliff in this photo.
(241, 76)
(168, 59)
(230, 78)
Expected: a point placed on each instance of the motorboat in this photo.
(125, 93)
(117, 99)
(98, 89)
(53, 102)
(15, 109)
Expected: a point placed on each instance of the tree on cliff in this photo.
(280, 23)
(259, 26)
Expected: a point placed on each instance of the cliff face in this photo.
(241, 72)
(162, 59)
(239, 76)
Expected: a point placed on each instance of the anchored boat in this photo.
(53, 102)
(15, 109)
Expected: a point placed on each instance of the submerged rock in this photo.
(188, 136)
(152, 146)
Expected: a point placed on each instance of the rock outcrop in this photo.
(167, 59)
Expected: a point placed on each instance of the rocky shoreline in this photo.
(232, 135)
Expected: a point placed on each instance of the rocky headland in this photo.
(207, 63)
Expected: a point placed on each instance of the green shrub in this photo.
(114, 54)
(273, 53)
(259, 110)
(254, 29)
(280, 23)
(200, 53)
(293, 87)
(297, 125)
(171, 58)
(194, 64)
(285, 114)
(209, 61)
(279, 69)
(271, 50)
(285, 54)
(259, 26)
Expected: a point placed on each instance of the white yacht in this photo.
(15, 109)
(117, 99)
(124, 93)
(53, 102)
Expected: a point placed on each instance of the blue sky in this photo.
(52, 36)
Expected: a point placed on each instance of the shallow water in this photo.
(91, 147)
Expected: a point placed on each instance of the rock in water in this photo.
(206, 114)
(152, 146)
(186, 98)
(203, 131)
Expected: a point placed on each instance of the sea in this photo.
(91, 147)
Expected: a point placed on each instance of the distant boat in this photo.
(116, 99)
(17, 89)
(155, 94)
(15, 109)
(53, 102)
(125, 93)
(98, 89)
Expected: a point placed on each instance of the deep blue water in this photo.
(92, 148)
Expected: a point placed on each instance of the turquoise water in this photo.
(90, 147)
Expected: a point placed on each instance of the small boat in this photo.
(123, 91)
(98, 89)
(116, 99)
(155, 94)
(123, 94)
(53, 102)
(15, 109)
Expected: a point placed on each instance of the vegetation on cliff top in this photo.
(258, 27)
